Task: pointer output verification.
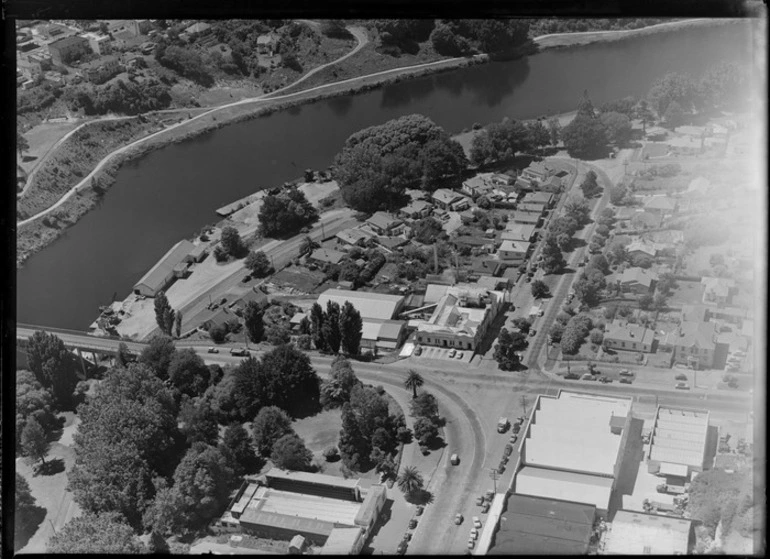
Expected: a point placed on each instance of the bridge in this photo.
(79, 340)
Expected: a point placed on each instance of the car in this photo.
(480, 500)
(407, 537)
(573, 376)
(455, 459)
(243, 352)
(513, 439)
(681, 376)
(459, 354)
(213, 350)
(418, 350)
(626, 373)
(223, 301)
(401, 549)
(581, 264)
(420, 509)
(588, 376)
(474, 534)
(459, 518)
(476, 522)
(532, 332)
(605, 380)
(305, 229)
(682, 386)
(516, 428)
(471, 544)
(507, 450)
(412, 523)
(625, 381)
(246, 279)
(489, 494)
(529, 279)
(452, 353)
(485, 508)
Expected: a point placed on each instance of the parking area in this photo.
(443, 353)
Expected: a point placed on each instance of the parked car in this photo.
(516, 428)
(681, 376)
(588, 376)
(459, 518)
(625, 381)
(471, 544)
(626, 373)
(420, 509)
(459, 354)
(513, 439)
(476, 522)
(507, 450)
(213, 349)
(573, 376)
(532, 332)
(480, 500)
(418, 350)
(407, 537)
(474, 534)
(412, 523)
(605, 380)
(489, 495)
(242, 352)
(485, 508)
(401, 549)
(682, 386)
(455, 460)
(452, 353)
(246, 279)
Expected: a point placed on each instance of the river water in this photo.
(171, 193)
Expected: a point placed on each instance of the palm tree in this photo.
(410, 481)
(307, 246)
(413, 381)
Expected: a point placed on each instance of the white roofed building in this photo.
(678, 437)
(370, 305)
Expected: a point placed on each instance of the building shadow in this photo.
(712, 443)
(385, 515)
(27, 523)
(630, 463)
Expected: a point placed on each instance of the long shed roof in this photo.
(156, 276)
(565, 486)
(370, 305)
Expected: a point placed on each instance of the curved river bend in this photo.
(171, 193)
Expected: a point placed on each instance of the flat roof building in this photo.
(678, 436)
(370, 305)
(636, 533)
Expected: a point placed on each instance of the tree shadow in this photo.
(52, 467)
(421, 497)
(436, 443)
(27, 523)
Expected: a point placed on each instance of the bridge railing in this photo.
(68, 331)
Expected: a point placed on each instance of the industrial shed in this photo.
(162, 274)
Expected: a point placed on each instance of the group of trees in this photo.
(258, 264)
(591, 281)
(501, 141)
(285, 212)
(424, 409)
(335, 391)
(558, 238)
(54, 367)
(590, 186)
(168, 320)
(508, 344)
(360, 275)
(184, 61)
(377, 164)
(459, 37)
(336, 328)
(230, 245)
(370, 433)
(575, 333)
(275, 438)
(121, 97)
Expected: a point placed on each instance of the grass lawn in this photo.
(320, 431)
(688, 293)
(299, 277)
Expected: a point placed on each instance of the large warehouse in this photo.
(678, 442)
(370, 305)
(165, 270)
(573, 447)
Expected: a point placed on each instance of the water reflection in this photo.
(340, 105)
(406, 93)
(492, 83)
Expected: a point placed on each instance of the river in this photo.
(171, 193)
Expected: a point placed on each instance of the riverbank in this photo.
(33, 236)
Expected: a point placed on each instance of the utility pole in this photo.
(524, 404)
(323, 231)
(493, 474)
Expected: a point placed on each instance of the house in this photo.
(477, 186)
(656, 134)
(487, 266)
(450, 200)
(519, 232)
(416, 209)
(717, 291)
(391, 243)
(551, 184)
(100, 44)
(537, 171)
(533, 207)
(529, 218)
(694, 344)
(163, 273)
(646, 220)
(625, 213)
(639, 247)
(637, 281)
(382, 223)
(637, 533)
(679, 441)
(662, 205)
(266, 44)
(628, 337)
(253, 295)
(198, 29)
(480, 243)
(382, 335)
(101, 70)
(120, 25)
(68, 49)
(198, 253)
(513, 252)
(352, 237)
(326, 256)
(523, 183)
(126, 40)
(545, 198)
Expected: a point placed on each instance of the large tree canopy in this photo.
(585, 138)
(98, 534)
(286, 212)
(53, 365)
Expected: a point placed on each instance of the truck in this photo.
(671, 489)
(536, 310)
(502, 424)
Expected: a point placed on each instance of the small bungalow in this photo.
(450, 200)
(266, 44)
(534, 207)
(640, 247)
(717, 290)
(220, 318)
(254, 295)
(352, 237)
(537, 171)
(551, 184)
(391, 243)
(628, 337)
(694, 344)
(529, 218)
(326, 256)
(486, 266)
(416, 209)
(518, 232)
(523, 183)
(513, 252)
(637, 281)
(625, 213)
(646, 220)
(382, 223)
(545, 198)
(476, 186)
(662, 205)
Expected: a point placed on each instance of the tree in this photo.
(202, 480)
(616, 252)
(98, 534)
(237, 450)
(336, 390)
(585, 138)
(316, 327)
(590, 186)
(441, 160)
(425, 430)
(597, 336)
(188, 372)
(618, 127)
(505, 354)
(350, 327)
(425, 405)
(577, 208)
(645, 302)
(258, 263)
(354, 447)
(290, 453)
(500, 141)
(523, 324)
(22, 144)
(643, 112)
(539, 289)
(674, 115)
(34, 444)
(271, 424)
(413, 381)
(198, 421)
(162, 310)
(53, 365)
(556, 332)
(307, 246)
(178, 323)
(672, 87)
(158, 355)
(554, 129)
(410, 481)
(278, 333)
(585, 107)
(253, 318)
(331, 326)
(618, 195)
(659, 301)
(553, 260)
(447, 43)
(231, 242)
(625, 106)
(286, 212)
(123, 355)
(641, 260)
(33, 401)
(666, 283)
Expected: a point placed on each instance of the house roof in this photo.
(156, 276)
(256, 296)
(625, 212)
(67, 42)
(632, 333)
(538, 167)
(638, 275)
(383, 220)
(522, 231)
(370, 305)
(679, 436)
(514, 246)
(535, 207)
(537, 198)
(565, 486)
(327, 255)
(636, 533)
(416, 206)
(553, 181)
(696, 334)
(265, 39)
(538, 526)
(353, 235)
(341, 541)
(641, 245)
(645, 218)
(525, 217)
(446, 196)
(660, 203)
(199, 27)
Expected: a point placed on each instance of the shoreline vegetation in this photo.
(36, 234)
